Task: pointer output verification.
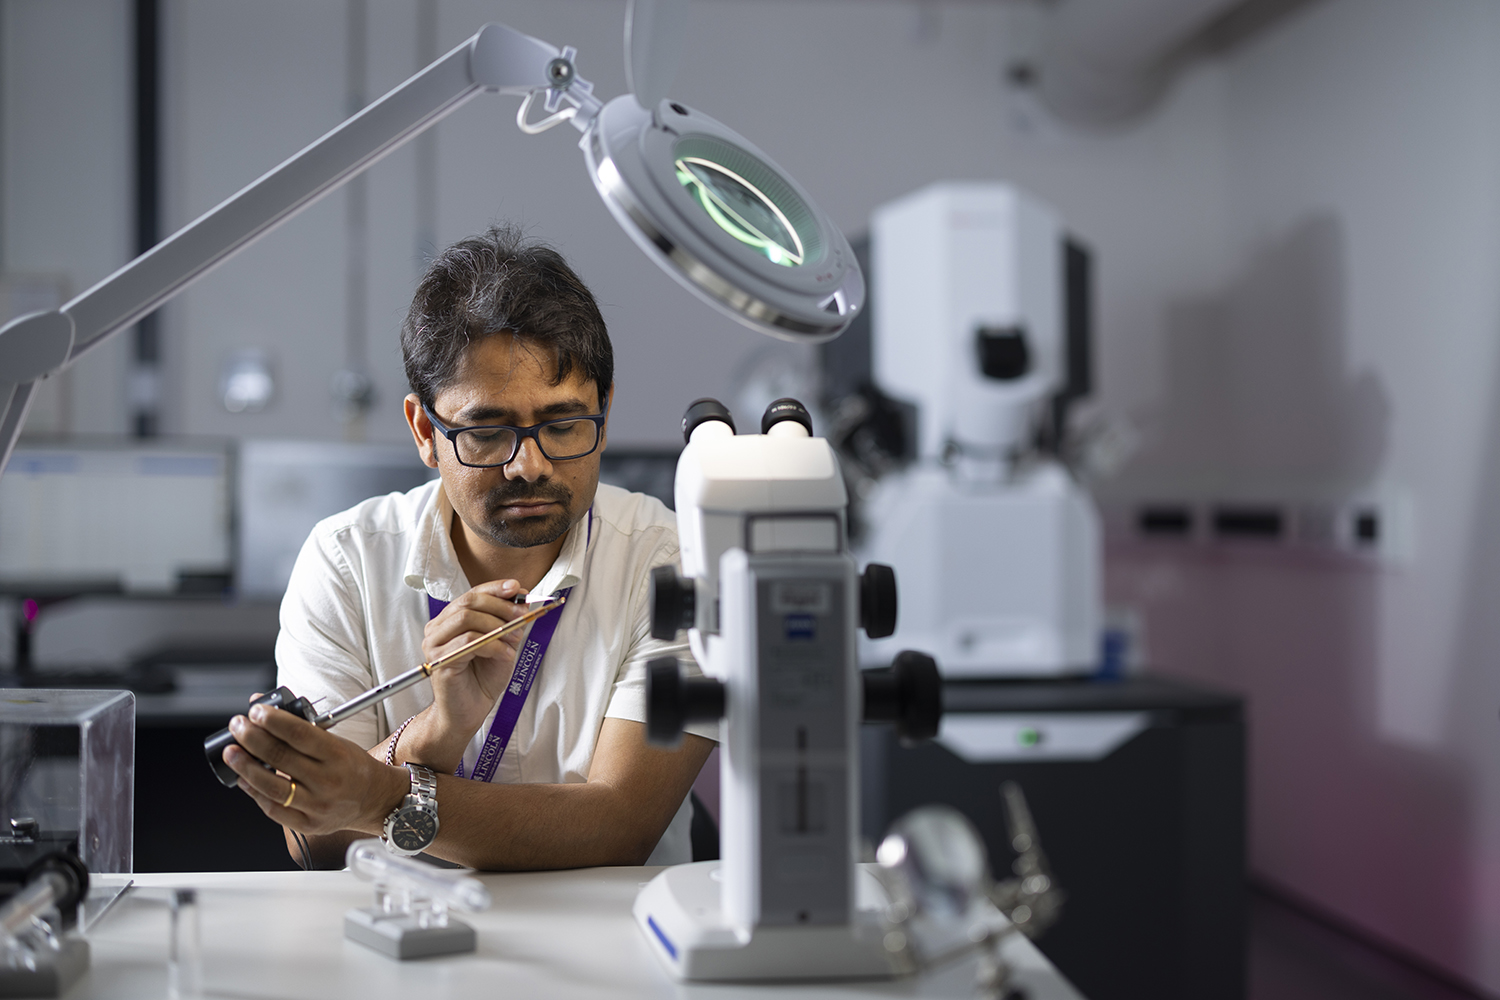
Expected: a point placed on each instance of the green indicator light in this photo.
(1028, 737)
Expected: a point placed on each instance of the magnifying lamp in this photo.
(709, 207)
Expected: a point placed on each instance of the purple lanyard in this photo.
(528, 665)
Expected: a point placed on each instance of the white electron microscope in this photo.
(981, 321)
(772, 598)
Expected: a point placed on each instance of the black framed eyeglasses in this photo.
(490, 446)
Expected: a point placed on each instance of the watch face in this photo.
(413, 829)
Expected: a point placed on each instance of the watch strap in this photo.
(423, 784)
(422, 797)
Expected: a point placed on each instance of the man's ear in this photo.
(609, 405)
(421, 430)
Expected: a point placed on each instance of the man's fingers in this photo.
(507, 590)
(447, 636)
(269, 746)
(294, 730)
(256, 777)
(478, 619)
(272, 806)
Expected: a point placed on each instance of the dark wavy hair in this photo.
(502, 282)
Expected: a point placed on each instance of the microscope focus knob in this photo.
(908, 693)
(673, 603)
(877, 600)
(700, 411)
(785, 408)
(672, 701)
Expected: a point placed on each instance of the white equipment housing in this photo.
(996, 545)
(777, 601)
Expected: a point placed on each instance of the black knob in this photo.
(673, 603)
(785, 408)
(70, 877)
(877, 600)
(701, 411)
(672, 701)
(213, 746)
(909, 693)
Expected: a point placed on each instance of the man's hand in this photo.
(339, 786)
(464, 692)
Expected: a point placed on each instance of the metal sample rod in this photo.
(403, 681)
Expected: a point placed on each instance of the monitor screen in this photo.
(135, 516)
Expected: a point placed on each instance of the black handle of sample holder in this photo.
(213, 747)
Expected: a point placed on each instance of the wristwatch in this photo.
(413, 825)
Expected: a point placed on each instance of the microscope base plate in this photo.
(680, 913)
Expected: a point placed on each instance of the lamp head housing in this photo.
(723, 219)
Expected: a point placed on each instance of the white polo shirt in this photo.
(357, 603)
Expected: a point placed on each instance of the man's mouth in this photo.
(526, 508)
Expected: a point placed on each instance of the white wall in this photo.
(1352, 347)
(65, 179)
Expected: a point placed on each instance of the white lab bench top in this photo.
(548, 934)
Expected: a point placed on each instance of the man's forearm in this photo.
(615, 817)
(517, 827)
(525, 827)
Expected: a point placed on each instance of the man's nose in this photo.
(529, 463)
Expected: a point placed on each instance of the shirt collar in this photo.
(432, 564)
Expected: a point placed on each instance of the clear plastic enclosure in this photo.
(67, 769)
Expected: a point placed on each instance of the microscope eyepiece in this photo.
(701, 411)
(783, 409)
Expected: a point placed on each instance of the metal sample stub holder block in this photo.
(410, 918)
(403, 935)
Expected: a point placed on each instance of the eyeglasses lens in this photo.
(559, 440)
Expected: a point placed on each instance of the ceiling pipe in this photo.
(1105, 62)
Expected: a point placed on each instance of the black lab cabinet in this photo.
(1137, 787)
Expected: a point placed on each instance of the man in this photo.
(511, 373)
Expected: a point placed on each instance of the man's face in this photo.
(532, 500)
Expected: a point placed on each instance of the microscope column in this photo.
(790, 767)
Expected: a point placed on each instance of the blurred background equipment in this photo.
(946, 901)
(972, 480)
(981, 322)
(67, 767)
(67, 770)
(286, 487)
(142, 517)
(1139, 785)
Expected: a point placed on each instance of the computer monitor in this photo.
(131, 516)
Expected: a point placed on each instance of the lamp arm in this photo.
(497, 58)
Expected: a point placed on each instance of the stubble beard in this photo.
(528, 532)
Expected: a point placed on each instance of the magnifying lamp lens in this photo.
(740, 209)
(747, 199)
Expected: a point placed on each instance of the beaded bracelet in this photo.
(390, 751)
